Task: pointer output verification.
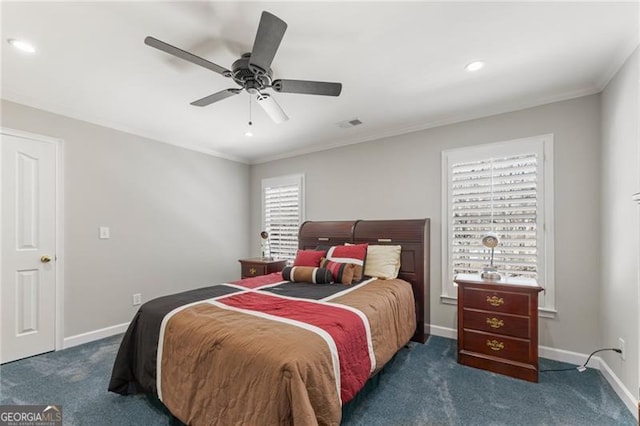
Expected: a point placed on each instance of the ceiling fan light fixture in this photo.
(474, 66)
(271, 107)
(22, 45)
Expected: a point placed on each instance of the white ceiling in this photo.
(401, 65)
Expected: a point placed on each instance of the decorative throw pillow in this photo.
(309, 257)
(307, 274)
(341, 272)
(352, 253)
(383, 261)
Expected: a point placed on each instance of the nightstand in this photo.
(498, 325)
(260, 266)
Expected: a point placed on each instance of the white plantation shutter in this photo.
(500, 188)
(282, 214)
(495, 194)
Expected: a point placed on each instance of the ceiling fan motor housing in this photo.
(250, 77)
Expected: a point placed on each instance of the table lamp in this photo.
(265, 240)
(490, 240)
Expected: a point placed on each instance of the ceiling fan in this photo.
(252, 72)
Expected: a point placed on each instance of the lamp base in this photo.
(490, 274)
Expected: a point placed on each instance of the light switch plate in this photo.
(104, 233)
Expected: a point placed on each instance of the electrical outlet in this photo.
(623, 354)
(137, 299)
(104, 233)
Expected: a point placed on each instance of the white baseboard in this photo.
(568, 356)
(449, 333)
(620, 389)
(572, 358)
(91, 336)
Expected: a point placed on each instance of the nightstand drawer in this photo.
(497, 346)
(253, 270)
(492, 322)
(497, 301)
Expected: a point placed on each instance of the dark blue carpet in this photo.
(422, 385)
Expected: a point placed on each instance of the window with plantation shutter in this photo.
(504, 188)
(282, 214)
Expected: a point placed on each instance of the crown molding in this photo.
(478, 113)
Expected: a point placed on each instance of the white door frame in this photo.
(59, 227)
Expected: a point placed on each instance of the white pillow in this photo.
(383, 261)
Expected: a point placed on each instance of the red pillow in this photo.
(308, 258)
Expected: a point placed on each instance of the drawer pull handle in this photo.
(495, 345)
(495, 322)
(495, 300)
(252, 271)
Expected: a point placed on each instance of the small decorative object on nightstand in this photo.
(260, 266)
(264, 244)
(498, 325)
(490, 240)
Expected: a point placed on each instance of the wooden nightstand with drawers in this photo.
(260, 266)
(498, 325)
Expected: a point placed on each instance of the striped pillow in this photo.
(352, 253)
(307, 274)
(341, 272)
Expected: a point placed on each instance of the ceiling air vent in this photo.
(349, 123)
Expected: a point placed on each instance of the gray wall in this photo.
(177, 217)
(620, 221)
(400, 177)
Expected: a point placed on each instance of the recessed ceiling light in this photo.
(474, 66)
(22, 45)
(248, 134)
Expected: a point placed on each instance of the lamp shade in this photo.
(490, 240)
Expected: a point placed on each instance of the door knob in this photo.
(45, 259)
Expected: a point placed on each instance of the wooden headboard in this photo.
(412, 235)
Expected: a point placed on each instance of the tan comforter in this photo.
(221, 366)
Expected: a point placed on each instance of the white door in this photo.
(28, 270)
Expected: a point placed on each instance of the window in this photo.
(282, 214)
(506, 188)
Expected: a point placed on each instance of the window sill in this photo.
(547, 312)
(448, 300)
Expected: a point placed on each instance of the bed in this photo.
(268, 351)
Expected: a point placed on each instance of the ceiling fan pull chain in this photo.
(250, 111)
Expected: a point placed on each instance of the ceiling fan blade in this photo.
(270, 32)
(218, 96)
(183, 54)
(271, 107)
(307, 87)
